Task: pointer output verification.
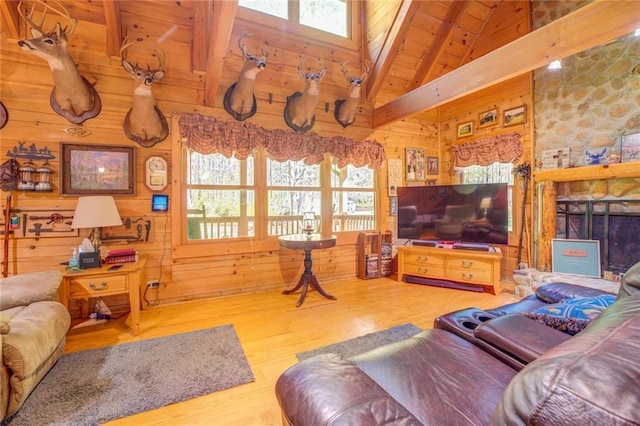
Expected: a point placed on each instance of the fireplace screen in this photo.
(615, 223)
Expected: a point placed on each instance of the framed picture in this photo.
(393, 206)
(465, 129)
(432, 166)
(578, 257)
(432, 182)
(488, 118)
(97, 169)
(394, 175)
(416, 164)
(630, 147)
(514, 116)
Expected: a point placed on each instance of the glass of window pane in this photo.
(277, 8)
(326, 15)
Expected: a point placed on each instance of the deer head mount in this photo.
(345, 112)
(300, 111)
(144, 124)
(239, 99)
(73, 97)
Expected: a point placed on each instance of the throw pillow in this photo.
(603, 301)
(570, 318)
(21, 290)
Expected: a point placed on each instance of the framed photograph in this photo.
(578, 257)
(630, 147)
(514, 116)
(393, 206)
(488, 118)
(432, 182)
(97, 169)
(465, 129)
(416, 164)
(432, 166)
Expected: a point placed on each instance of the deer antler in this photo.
(53, 6)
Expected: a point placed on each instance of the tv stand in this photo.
(471, 267)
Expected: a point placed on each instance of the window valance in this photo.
(505, 148)
(209, 135)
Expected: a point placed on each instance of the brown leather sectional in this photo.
(478, 367)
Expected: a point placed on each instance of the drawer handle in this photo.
(467, 276)
(423, 259)
(466, 264)
(423, 270)
(103, 285)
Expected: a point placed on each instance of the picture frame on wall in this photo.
(488, 118)
(394, 175)
(630, 147)
(97, 169)
(514, 116)
(393, 206)
(432, 166)
(579, 257)
(465, 129)
(415, 165)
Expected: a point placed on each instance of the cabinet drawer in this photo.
(479, 276)
(95, 286)
(467, 263)
(424, 259)
(424, 270)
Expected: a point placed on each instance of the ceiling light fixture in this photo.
(555, 65)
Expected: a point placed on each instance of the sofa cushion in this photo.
(555, 292)
(24, 289)
(602, 301)
(568, 317)
(591, 378)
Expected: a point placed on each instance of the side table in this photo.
(307, 243)
(98, 282)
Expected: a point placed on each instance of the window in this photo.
(495, 173)
(331, 16)
(353, 198)
(222, 197)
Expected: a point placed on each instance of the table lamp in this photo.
(96, 212)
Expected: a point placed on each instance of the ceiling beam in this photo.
(443, 36)
(595, 23)
(222, 19)
(391, 46)
(200, 38)
(113, 24)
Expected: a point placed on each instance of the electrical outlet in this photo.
(153, 284)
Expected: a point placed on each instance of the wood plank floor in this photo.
(272, 330)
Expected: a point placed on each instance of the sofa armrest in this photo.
(520, 336)
(328, 389)
(555, 292)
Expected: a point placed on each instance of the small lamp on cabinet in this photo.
(96, 212)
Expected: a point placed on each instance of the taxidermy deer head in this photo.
(144, 123)
(73, 97)
(300, 111)
(239, 100)
(345, 112)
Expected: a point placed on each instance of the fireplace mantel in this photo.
(547, 195)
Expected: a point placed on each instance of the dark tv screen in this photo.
(475, 213)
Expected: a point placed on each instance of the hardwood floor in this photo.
(272, 330)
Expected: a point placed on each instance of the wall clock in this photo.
(156, 173)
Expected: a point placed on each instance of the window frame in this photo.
(292, 25)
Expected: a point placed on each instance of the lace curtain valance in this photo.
(505, 148)
(209, 135)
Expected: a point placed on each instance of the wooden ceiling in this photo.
(409, 43)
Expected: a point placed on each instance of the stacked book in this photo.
(121, 256)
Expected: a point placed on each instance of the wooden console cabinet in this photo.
(480, 268)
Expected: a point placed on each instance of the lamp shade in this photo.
(96, 211)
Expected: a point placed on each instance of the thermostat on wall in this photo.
(159, 203)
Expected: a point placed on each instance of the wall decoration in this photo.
(4, 115)
(488, 118)
(134, 229)
(432, 182)
(555, 158)
(579, 257)
(432, 166)
(300, 111)
(630, 146)
(514, 116)
(595, 156)
(345, 111)
(97, 169)
(394, 175)
(415, 164)
(42, 223)
(393, 206)
(465, 129)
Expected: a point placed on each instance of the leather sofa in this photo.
(439, 377)
(33, 330)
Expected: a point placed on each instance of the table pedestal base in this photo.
(308, 278)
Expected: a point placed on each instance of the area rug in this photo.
(94, 386)
(364, 343)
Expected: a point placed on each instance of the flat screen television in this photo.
(468, 213)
